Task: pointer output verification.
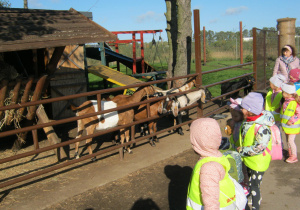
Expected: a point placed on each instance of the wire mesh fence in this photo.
(267, 52)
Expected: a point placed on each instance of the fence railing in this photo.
(98, 94)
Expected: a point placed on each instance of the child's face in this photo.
(286, 95)
(272, 86)
(287, 53)
(246, 113)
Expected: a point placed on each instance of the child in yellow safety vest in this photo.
(210, 186)
(234, 124)
(273, 99)
(255, 136)
(290, 119)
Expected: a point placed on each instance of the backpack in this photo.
(276, 152)
(235, 161)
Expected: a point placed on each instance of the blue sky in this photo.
(217, 15)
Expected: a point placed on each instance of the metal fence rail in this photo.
(199, 106)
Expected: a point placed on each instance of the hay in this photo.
(13, 116)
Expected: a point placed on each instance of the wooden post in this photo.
(204, 46)
(198, 57)
(51, 67)
(241, 42)
(49, 131)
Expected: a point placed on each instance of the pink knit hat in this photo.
(205, 136)
(295, 73)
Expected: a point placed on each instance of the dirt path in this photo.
(164, 186)
(150, 178)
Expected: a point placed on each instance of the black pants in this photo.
(255, 179)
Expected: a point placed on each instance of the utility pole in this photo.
(25, 4)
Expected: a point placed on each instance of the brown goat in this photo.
(156, 108)
(108, 120)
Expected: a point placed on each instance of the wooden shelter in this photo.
(38, 42)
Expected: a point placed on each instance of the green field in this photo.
(96, 83)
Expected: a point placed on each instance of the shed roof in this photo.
(23, 29)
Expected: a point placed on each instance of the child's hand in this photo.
(289, 123)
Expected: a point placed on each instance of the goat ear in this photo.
(160, 107)
(175, 108)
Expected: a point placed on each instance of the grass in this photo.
(96, 83)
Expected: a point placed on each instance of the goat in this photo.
(159, 107)
(234, 85)
(185, 87)
(156, 109)
(186, 100)
(108, 120)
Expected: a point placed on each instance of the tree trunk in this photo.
(179, 31)
(171, 17)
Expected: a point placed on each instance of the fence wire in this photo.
(267, 52)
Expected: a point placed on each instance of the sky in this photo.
(217, 15)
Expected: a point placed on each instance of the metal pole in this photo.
(142, 52)
(241, 42)
(198, 56)
(254, 58)
(134, 53)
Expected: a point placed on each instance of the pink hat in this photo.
(236, 103)
(295, 73)
(205, 136)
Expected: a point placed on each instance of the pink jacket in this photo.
(296, 116)
(280, 67)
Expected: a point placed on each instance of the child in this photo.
(255, 136)
(290, 119)
(274, 96)
(233, 124)
(210, 177)
(295, 78)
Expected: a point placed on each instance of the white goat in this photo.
(186, 100)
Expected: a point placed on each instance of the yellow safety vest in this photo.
(233, 144)
(194, 198)
(288, 113)
(298, 92)
(272, 106)
(259, 162)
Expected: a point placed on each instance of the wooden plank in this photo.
(113, 76)
(49, 131)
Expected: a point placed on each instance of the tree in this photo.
(179, 31)
(4, 4)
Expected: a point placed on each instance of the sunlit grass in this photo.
(97, 82)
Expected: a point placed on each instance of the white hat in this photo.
(277, 80)
(290, 89)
